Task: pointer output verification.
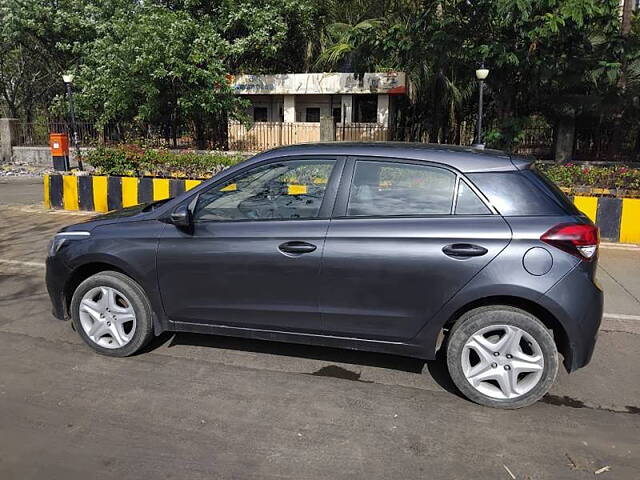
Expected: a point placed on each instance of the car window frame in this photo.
(326, 206)
(346, 184)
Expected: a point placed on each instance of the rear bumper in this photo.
(577, 302)
(55, 277)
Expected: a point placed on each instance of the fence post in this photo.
(8, 138)
(327, 129)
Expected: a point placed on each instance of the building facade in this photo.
(287, 108)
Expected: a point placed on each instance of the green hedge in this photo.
(137, 161)
(570, 175)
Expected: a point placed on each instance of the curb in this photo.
(104, 193)
(617, 218)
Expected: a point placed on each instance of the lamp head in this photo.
(67, 78)
(482, 73)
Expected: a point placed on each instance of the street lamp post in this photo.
(68, 78)
(481, 74)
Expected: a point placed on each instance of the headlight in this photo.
(60, 238)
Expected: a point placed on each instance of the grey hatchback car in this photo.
(397, 248)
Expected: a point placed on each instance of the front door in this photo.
(253, 258)
(406, 237)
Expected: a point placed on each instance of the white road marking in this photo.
(620, 316)
(621, 246)
(22, 264)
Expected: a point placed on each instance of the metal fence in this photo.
(591, 144)
(37, 134)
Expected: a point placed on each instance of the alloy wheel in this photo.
(107, 317)
(502, 361)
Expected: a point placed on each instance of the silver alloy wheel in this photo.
(502, 361)
(107, 317)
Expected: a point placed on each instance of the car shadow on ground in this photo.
(437, 368)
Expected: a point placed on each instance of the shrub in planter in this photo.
(575, 176)
(137, 161)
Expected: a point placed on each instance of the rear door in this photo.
(404, 238)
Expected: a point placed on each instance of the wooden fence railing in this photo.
(264, 135)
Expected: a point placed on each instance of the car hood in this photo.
(130, 214)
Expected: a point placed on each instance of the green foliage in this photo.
(576, 176)
(166, 62)
(133, 160)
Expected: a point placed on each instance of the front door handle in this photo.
(297, 248)
(458, 250)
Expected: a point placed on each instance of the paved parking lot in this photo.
(211, 407)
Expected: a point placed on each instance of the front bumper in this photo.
(56, 278)
(577, 302)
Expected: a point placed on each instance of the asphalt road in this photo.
(210, 407)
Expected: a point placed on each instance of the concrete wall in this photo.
(37, 156)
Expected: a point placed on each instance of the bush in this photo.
(132, 160)
(571, 175)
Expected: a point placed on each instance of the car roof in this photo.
(464, 159)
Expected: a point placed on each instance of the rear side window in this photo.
(524, 192)
(390, 189)
(468, 202)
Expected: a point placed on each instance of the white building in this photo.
(287, 108)
(305, 97)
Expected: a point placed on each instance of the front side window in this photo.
(390, 189)
(287, 190)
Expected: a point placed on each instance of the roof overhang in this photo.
(320, 83)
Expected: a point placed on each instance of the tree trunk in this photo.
(565, 135)
(627, 13)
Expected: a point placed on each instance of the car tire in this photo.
(116, 309)
(501, 356)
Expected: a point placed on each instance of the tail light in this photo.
(578, 239)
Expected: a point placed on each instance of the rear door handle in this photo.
(464, 250)
(296, 247)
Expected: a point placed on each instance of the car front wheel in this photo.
(112, 314)
(501, 356)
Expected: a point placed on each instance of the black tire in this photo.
(139, 302)
(475, 320)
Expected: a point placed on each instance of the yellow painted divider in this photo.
(100, 194)
(70, 192)
(160, 188)
(630, 222)
(130, 191)
(47, 193)
(296, 189)
(189, 184)
(587, 205)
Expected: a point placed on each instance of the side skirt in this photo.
(394, 348)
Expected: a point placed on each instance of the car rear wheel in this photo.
(112, 314)
(501, 356)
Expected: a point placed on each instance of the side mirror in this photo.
(182, 218)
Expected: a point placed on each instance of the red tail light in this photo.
(578, 239)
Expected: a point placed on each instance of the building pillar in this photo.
(8, 138)
(289, 108)
(383, 110)
(327, 129)
(347, 109)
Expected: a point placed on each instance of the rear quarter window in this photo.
(525, 192)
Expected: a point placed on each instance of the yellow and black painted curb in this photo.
(618, 218)
(104, 193)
